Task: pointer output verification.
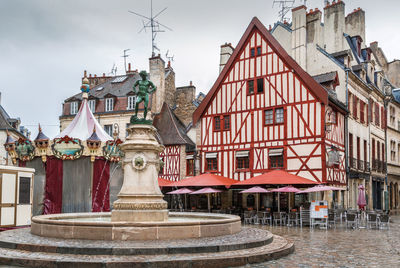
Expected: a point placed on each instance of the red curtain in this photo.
(101, 186)
(21, 163)
(53, 189)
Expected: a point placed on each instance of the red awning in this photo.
(164, 183)
(204, 180)
(276, 177)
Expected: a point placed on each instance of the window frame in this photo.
(283, 158)
(254, 82)
(92, 103)
(190, 169)
(108, 126)
(246, 159)
(215, 119)
(106, 104)
(129, 101)
(274, 121)
(207, 164)
(73, 107)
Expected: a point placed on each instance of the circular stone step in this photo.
(279, 247)
(22, 239)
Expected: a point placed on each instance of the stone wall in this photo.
(157, 76)
(184, 98)
(170, 87)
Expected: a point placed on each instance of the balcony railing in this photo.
(378, 166)
(353, 163)
(360, 164)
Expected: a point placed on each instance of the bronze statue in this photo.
(146, 87)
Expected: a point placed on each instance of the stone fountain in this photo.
(139, 230)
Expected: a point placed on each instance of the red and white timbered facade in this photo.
(171, 158)
(264, 112)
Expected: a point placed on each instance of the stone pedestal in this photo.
(140, 198)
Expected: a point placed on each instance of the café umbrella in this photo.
(255, 190)
(361, 202)
(319, 188)
(208, 191)
(286, 189)
(182, 191)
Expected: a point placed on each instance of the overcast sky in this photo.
(45, 45)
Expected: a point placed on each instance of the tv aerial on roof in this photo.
(284, 6)
(154, 25)
(113, 70)
(169, 58)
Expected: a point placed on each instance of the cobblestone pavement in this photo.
(339, 247)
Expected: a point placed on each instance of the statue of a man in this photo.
(146, 87)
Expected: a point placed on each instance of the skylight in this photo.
(99, 88)
(119, 79)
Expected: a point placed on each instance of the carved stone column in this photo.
(140, 198)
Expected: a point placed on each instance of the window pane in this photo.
(108, 129)
(260, 85)
(279, 115)
(217, 123)
(252, 52)
(276, 161)
(242, 162)
(92, 105)
(131, 102)
(250, 86)
(74, 107)
(227, 122)
(269, 118)
(24, 190)
(258, 50)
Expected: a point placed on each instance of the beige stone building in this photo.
(112, 101)
(332, 45)
(393, 150)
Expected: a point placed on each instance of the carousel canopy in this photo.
(83, 124)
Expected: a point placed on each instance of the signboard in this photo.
(319, 209)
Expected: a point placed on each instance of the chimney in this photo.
(355, 24)
(334, 26)
(157, 76)
(299, 35)
(314, 28)
(84, 73)
(226, 52)
(129, 71)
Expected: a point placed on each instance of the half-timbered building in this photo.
(265, 112)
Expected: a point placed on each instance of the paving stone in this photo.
(338, 247)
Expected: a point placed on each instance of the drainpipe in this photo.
(346, 139)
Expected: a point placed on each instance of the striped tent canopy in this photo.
(83, 124)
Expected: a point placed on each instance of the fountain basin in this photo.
(98, 226)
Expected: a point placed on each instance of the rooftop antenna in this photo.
(169, 58)
(125, 56)
(154, 25)
(113, 70)
(284, 6)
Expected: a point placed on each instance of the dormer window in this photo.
(92, 105)
(109, 104)
(131, 102)
(74, 107)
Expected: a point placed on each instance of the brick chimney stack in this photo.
(334, 26)
(226, 52)
(157, 76)
(299, 35)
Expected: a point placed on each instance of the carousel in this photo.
(76, 171)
